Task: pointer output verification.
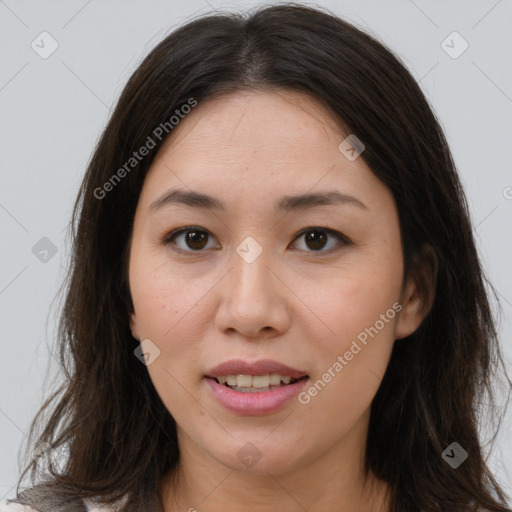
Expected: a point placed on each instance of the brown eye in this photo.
(316, 239)
(195, 239)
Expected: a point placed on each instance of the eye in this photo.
(196, 239)
(317, 237)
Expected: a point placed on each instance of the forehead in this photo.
(257, 144)
(284, 124)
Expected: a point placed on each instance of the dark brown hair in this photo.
(120, 437)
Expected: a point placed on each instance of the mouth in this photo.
(258, 375)
(256, 383)
(256, 395)
(255, 387)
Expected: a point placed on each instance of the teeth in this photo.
(256, 381)
(244, 381)
(231, 380)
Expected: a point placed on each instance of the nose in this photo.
(254, 299)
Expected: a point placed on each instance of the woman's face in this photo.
(315, 285)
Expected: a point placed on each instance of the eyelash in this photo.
(168, 239)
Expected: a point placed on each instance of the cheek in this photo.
(352, 367)
(173, 310)
(161, 295)
(167, 314)
(361, 321)
(359, 304)
(352, 297)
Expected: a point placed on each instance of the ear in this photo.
(418, 292)
(133, 326)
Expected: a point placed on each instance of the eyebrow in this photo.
(298, 202)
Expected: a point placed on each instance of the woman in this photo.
(275, 298)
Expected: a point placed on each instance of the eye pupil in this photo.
(194, 237)
(317, 238)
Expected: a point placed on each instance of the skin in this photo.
(298, 303)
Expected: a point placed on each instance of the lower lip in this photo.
(263, 402)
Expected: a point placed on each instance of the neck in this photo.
(334, 481)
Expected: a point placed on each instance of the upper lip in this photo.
(262, 367)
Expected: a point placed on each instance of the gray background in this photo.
(54, 109)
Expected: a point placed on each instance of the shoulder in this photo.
(14, 507)
(90, 506)
(86, 505)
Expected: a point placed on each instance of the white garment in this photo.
(16, 507)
